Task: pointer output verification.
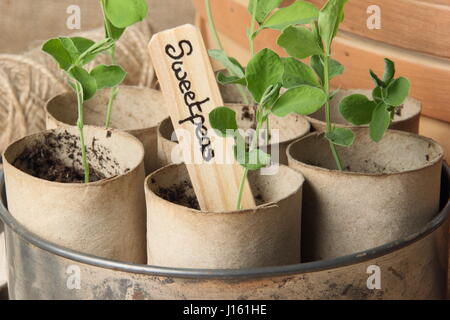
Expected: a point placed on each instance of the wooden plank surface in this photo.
(419, 25)
(430, 76)
(191, 92)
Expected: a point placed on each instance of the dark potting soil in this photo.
(40, 160)
(182, 194)
(179, 194)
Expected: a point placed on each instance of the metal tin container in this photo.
(411, 268)
(3, 287)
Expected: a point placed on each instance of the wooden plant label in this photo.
(189, 87)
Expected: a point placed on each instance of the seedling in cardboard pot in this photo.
(264, 76)
(300, 43)
(388, 96)
(117, 16)
(72, 54)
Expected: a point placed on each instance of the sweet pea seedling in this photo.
(117, 16)
(388, 96)
(72, 54)
(264, 76)
(315, 42)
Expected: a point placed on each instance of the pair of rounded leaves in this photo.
(267, 69)
(73, 53)
(360, 110)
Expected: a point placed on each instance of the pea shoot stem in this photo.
(213, 29)
(241, 189)
(80, 125)
(252, 30)
(326, 85)
(259, 124)
(253, 145)
(115, 90)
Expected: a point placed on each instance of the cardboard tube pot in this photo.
(136, 110)
(389, 191)
(104, 218)
(183, 237)
(407, 119)
(288, 129)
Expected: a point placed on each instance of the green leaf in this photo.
(231, 64)
(89, 53)
(86, 80)
(381, 119)
(108, 76)
(70, 47)
(263, 70)
(330, 16)
(357, 109)
(378, 82)
(299, 42)
(341, 136)
(101, 46)
(56, 49)
(237, 63)
(223, 79)
(270, 96)
(240, 148)
(78, 46)
(253, 160)
(335, 69)
(297, 73)
(389, 70)
(264, 8)
(82, 45)
(300, 12)
(223, 119)
(112, 31)
(303, 100)
(377, 94)
(124, 13)
(397, 92)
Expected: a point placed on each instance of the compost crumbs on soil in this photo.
(179, 194)
(39, 160)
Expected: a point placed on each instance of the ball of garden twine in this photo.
(29, 80)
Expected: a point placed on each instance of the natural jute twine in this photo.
(28, 81)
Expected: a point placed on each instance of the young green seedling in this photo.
(72, 54)
(117, 16)
(315, 42)
(264, 76)
(230, 64)
(388, 97)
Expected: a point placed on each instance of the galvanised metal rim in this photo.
(309, 267)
